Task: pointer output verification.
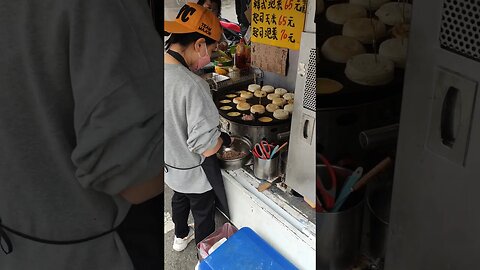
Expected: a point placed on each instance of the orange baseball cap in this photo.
(195, 18)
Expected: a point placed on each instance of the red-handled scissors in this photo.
(262, 150)
(266, 147)
(328, 196)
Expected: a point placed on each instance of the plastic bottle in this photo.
(241, 55)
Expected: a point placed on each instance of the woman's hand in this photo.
(227, 140)
(214, 150)
(144, 191)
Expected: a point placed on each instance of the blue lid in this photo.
(245, 250)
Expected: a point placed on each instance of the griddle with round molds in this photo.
(352, 93)
(252, 101)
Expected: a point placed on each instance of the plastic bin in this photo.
(245, 250)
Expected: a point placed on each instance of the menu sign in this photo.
(278, 22)
(270, 58)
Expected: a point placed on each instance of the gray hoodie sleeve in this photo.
(116, 66)
(203, 120)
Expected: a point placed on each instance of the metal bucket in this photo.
(339, 233)
(266, 169)
(378, 202)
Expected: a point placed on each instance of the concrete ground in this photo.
(186, 259)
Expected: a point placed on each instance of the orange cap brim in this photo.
(175, 27)
(178, 28)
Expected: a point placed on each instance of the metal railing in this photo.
(255, 75)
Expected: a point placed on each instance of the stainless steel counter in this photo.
(283, 220)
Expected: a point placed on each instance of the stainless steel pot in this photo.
(240, 144)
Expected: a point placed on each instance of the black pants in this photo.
(142, 234)
(203, 211)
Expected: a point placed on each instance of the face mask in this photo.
(203, 60)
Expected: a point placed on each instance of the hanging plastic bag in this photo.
(206, 244)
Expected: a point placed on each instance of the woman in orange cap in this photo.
(192, 136)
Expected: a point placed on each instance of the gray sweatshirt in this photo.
(191, 127)
(80, 120)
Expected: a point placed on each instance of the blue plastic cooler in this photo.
(245, 250)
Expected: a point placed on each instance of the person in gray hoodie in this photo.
(192, 135)
(81, 134)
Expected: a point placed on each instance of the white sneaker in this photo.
(180, 244)
(197, 267)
